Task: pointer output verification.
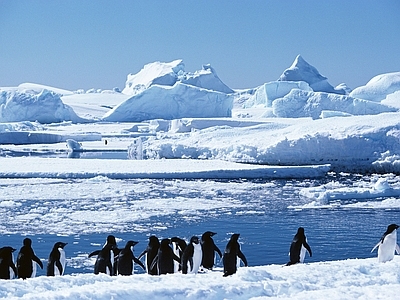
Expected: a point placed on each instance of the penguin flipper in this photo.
(397, 249)
(139, 263)
(376, 246)
(142, 254)
(94, 253)
(153, 263)
(38, 261)
(242, 257)
(218, 251)
(191, 263)
(305, 244)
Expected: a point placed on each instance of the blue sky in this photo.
(95, 44)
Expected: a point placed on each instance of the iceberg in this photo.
(301, 70)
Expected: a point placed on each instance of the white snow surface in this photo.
(348, 279)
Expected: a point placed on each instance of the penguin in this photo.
(178, 246)
(192, 256)
(126, 260)
(232, 251)
(27, 260)
(7, 266)
(57, 260)
(104, 260)
(208, 247)
(165, 258)
(112, 256)
(388, 244)
(151, 252)
(298, 248)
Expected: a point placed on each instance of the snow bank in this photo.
(30, 167)
(348, 279)
(379, 87)
(300, 103)
(300, 70)
(44, 107)
(166, 102)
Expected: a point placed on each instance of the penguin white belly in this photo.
(33, 275)
(145, 263)
(303, 251)
(133, 263)
(197, 256)
(387, 247)
(12, 274)
(63, 261)
(108, 272)
(176, 252)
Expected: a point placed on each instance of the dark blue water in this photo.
(333, 234)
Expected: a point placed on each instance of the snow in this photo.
(348, 279)
(181, 125)
(379, 87)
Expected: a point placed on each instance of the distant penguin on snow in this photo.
(151, 252)
(126, 259)
(298, 248)
(27, 260)
(232, 251)
(388, 244)
(209, 248)
(191, 257)
(7, 266)
(57, 260)
(165, 258)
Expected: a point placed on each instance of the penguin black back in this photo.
(232, 251)
(165, 258)
(25, 260)
(209, 248)
(126, 259)
(56, 262)
(298, 242)
(151, 252)
(6, 262)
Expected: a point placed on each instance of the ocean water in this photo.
(83, 212)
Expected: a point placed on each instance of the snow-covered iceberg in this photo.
(44, 107)
(160, 73)
(300, 103)
(379, 87)
(301, 70)
(172, 102)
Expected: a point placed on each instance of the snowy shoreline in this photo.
(345, 279)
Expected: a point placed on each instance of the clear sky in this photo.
(76, 44)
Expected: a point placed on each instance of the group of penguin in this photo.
(170, 255)
(27, 260)
(166, 256)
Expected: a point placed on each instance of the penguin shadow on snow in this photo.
(27, 260)
(387, 246)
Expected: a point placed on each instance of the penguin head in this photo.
(6, 250)
(111, 240)
(60, 245)
(27, 242)
(165, 243)
(194, 240)
(391, 228)
(235, 236)
(131, 244)
(300, 230)
(207, 235)
(153, 240)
